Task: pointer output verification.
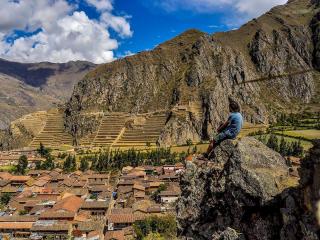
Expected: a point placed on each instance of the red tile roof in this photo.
(20, 178)
(71, 203)
(121, 218)
(16, 225)
(114, 235)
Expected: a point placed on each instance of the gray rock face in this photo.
(246, 192)
(243, 179)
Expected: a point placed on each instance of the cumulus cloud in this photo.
(119, 24)
(61, 31)
(101, 4)
(246, 8)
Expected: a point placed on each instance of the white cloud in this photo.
(101, 4)
(31, 14)
(119, 24)
(66, 33)
(247, 8)
(254, 8)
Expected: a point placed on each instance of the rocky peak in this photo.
(245, 192)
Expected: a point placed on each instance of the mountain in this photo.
(201, 72)
(28, 87)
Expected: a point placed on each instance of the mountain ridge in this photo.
(29, 87)
(207, 70)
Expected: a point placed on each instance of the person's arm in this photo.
(223, 126)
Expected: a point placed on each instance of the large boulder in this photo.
(237, 195)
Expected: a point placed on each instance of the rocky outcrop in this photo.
(198, 67)
(15, 138)
(246, 192)
(310, 181)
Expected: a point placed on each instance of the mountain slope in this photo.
(198, 69)
(27, 88)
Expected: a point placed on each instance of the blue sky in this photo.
(103, 30)
(152, 25)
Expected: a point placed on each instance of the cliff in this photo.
(247, 192)
(262, 65)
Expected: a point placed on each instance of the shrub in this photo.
(165, 227)
(5, 198)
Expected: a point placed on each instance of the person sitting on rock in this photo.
(229, 130)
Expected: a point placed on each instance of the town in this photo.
(57, 204)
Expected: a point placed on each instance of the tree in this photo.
(22, 165)
(70, 164)
(67, 164)
(283, 147)
(48, 164)
(273, 143)
(84, 164)
(38, 165)
(43, 151)
(74, 164)
(5, 198)
(297, 149)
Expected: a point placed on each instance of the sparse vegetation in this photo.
(162, 227)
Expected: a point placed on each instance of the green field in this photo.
(7, 168)
(305, 144)
(309, 134)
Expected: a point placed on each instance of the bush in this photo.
(189, 142)
(165, 227)
(5, 198)
(155, 194)
(154, 236)
(23, 212)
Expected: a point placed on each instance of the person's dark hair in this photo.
(234, 106)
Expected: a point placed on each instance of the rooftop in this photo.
(121, 218)
(114, 235)
(95, 204)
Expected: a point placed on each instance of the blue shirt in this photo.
(235, 123)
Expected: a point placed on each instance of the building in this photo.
(169, 196)
(120, 221)
(61, 230)
(97, 209)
